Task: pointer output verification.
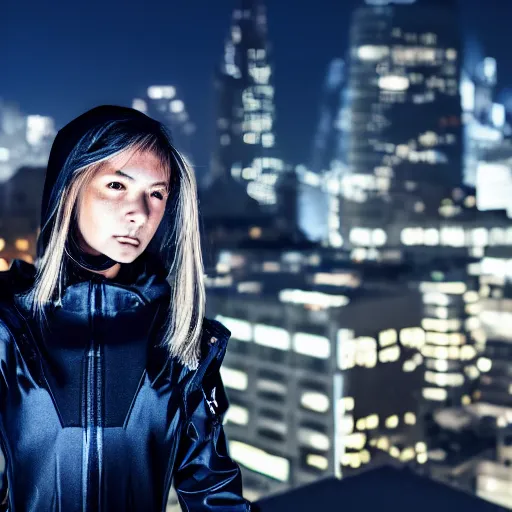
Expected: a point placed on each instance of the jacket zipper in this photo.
(92, 412)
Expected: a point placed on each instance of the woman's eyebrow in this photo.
(165, 183)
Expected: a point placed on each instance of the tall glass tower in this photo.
(245, 140)
(330, 135)
(405, 144)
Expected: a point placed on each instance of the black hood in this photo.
(82, 142)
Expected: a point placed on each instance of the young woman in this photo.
(109, 371)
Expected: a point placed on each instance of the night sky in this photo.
(63, 58)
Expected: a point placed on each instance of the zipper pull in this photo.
(212, 401)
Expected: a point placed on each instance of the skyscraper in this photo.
(405, 148)
(163, 103)
(25, 140)
(245, 141)
(330, 135)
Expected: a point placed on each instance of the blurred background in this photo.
(354, 164)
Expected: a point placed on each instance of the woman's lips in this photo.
(128, 240)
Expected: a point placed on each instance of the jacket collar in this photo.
(143, 281)
(214, 337)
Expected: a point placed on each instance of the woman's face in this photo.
(125, 198)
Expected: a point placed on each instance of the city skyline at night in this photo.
(179, 44)
(354, 171)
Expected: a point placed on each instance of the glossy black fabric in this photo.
(94, 416)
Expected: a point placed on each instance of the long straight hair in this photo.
(184, 263)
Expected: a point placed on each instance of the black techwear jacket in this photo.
(94, 414)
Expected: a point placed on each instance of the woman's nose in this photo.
(139, 212)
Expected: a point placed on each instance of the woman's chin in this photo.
(126, 256)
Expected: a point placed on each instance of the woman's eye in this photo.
(159, 195)
(115, 183)
(120, 186)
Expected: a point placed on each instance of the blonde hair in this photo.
(183, 326)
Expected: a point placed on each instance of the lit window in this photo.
(410, 418)
(435, 394)
(431, 236)
(260, 461)
(383, 443)
(347, 403)
(372, 53)
(22, 244)
(453, 288)
(156, 92)
(271, 386)
(422, 458)
(372, 421)
(355, 441)
(389, 354)
(255, 232)
(379, 237)
(412, 336)
(236, 34)
(394, 452)
(235, 379)
(240, 329)
(238, 415)
(387, 337)
(177, 106)
(317, 461)
(314, 439)
(312, 345)
(315, 401)
(392, 421)
(451, 54)
(267, 140)
(407, 454)
(139, 104)
(325, 300)
(4, 154)
(394, 83)
(484, 364)
(271, 336)
(250, 138)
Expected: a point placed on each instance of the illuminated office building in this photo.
(496, 319)
(459, 225)
(450, 328)
(245, 139)
(313, 204)
(473, 447)
(485, 76)
(319, 204)
(493, 398)
(321, 374)
(405, 147)
(484, 119)
(494, 179)
(331, 131)
(163, 103)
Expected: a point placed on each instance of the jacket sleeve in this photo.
(206, 478)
